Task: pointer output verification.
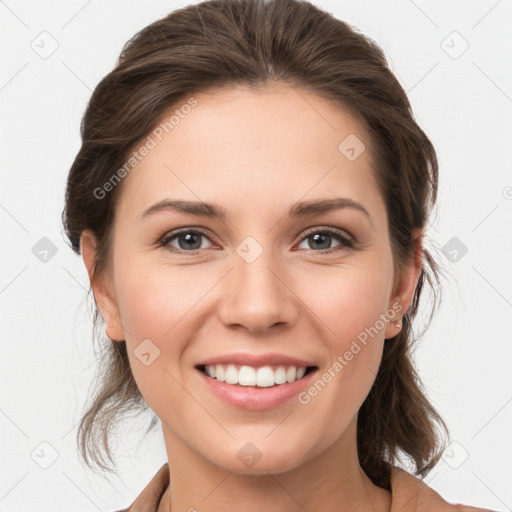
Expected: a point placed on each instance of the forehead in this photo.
(259, 145)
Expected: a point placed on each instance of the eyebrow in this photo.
(298, 210)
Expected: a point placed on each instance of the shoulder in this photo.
(149, 499)
(410, 494)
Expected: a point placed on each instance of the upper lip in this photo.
(256, 360)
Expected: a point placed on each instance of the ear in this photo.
(407, 281)
(102, 288)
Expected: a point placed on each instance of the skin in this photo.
(255, 153)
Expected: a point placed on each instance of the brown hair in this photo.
(220, 43)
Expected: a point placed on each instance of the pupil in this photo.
(190, 237)
(321, 236)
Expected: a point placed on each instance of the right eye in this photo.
(188, 240)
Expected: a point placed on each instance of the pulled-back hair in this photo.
(222, 43)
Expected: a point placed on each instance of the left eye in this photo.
(324, 237)
(190, 241)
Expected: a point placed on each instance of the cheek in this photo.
(154, 302)
(347, 301)
(155, 306)
(348, 304)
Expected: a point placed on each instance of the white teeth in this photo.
(280, 375)
(291, 373)
(231, 376)
(219, 373)
(263, 377)
(245, 377)
(300, 372)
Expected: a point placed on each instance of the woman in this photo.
(232, 138)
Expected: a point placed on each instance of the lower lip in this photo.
(255, 398)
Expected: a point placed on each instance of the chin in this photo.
(251, 460)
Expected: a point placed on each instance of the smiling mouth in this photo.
(262, 377)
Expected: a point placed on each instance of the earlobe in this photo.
(404, 295)
(103, 295)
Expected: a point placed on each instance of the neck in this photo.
(331, 480)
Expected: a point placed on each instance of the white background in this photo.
(464, 105)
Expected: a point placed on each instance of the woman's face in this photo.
(261, 280)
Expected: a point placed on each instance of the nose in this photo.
(256, 296)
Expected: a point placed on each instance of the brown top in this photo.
(408, 494)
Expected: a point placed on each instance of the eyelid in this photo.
(319, 229)
(169, 235)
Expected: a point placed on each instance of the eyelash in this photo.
(347, 242)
